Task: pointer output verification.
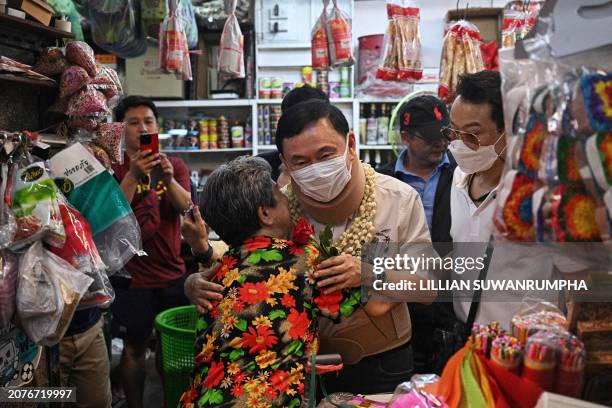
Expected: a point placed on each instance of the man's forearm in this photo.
(128, 186)
(179, 197)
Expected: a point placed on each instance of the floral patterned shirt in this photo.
(253, 348)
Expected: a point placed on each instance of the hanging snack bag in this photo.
(173, 50)
(88, 102)
(8, 287)
(50, 62)
(231, 48)
(35, 203)
(73, 78)
(80, 53)
(402, 45)
(108, 136)
(319, 47)
(95, 193)
(339, 38)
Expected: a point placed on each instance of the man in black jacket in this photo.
(427, 166)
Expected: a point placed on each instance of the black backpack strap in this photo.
(478, 293)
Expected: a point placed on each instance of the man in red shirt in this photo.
(157, 186)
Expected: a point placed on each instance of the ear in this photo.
(352, 145)
(265, 217)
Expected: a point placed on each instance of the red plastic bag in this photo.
(402, 50)
(231, 54)
(339, 38)
(319, 47)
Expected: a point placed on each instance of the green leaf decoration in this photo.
(296, 402)
(255, 257)
(275, 314)
(307, 305)
(346, 310)
(251, 366)
(242, 278)
(333, 251)
(216, 397)
(236, 354)
(272, 255)
(225, 355)
(275, 366)
(295, 346)
(201, 324)
(326, 236)
(242, 325)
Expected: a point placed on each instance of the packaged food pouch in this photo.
(339, 38)
(48, 292)
(81, 252)
(173, 50)
(231, 52)
(50, 62)
(8, 226)
(8, 286)
(109, 136)
(88, 102)
(319, 43)
(84, 181)
(35, 203)
(73, 78)
(80, 53)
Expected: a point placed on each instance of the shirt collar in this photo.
(399, 164)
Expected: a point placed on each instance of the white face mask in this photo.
(324, 181)
(472, 161)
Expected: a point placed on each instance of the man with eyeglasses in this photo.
(426, 166)
(478, 145)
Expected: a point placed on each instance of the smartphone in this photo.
(149, 141)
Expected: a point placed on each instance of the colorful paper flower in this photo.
(536, 133)
(566, 161)
(597, 90)
(604, 147)
(517, 213)
(574, 215)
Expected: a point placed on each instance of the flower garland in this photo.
(362, 228)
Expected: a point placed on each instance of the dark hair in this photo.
(302, 94)
(295, 119)
(232, 195)
(133, 102)
(484, 87)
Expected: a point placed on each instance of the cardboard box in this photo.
(144, 77)
(489, 21)
(39, 10)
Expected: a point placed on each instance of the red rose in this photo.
(302, 232)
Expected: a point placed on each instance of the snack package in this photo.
(535, 316)
(85, 123)
(80, 251)
(8, 287)
(173, 50)
(8, 225)
(81, 54)
(319, 43)
(100, 155)
(35, 203)
(402, 50)
(20, 357)
(231, 48)
(88, 102)
(114, 227)
(109, 136)
(50, 62)
(105, 83)
(461, 54)
(73, 78)
(339, 37)
(48, 292)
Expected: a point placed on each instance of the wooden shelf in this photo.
(27, 81)
(32, 26)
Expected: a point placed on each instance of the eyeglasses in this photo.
(470, 139)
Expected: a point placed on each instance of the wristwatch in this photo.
(205, 257)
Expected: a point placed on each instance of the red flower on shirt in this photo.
(253, 244)
(329, 302)
(215, 375)
(288, 301)
(299, 324)
(227, 263)
(190, 395)
(302, 232)
(252, 293)
(296, 250)
(237, 390)
(262, 339)
(271, 394)
(280, 380)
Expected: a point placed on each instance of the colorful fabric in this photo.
(471, 387)
(252, 349)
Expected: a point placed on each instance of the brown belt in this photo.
(360, 336)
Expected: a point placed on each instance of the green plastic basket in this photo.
(177, 332)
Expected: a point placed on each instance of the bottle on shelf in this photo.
(372, 126)
(363, 124)
(366, 156)
(377, 160)
(383, 126)
(248, 133)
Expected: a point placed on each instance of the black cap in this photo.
(424, 114)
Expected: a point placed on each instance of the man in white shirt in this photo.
(478, 146)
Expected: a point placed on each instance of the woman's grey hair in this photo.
(233, 193)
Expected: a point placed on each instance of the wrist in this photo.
(205, 257)
(200, 247)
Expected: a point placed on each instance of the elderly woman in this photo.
(253, 347)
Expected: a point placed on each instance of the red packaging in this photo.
(339, 38)
(319, 46)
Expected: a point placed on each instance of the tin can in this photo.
(237, 136)
(307, 75)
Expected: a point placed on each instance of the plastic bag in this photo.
(108, 83)
(115, 27)
(8, 225)
(80, 53)
(73, 78)
(36, 206)
(187, 15)
(231, 48)
(114, 227)
(402, 50)
(85, 123)
(88, 102)
(50, 62)
(100, 155)
(173, 50)
(339, 37)
(80, 251)
(48, 292)
(461, 55)
(109, 136)
(536, 315)
(153, 13)
(319, 43)
(8, 287)
(411, 393)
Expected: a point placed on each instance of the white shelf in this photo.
(205, 103)
(230, 150)
(378, 100)
(266, 147)
(284, 46)
(375, 147)
(279, 101)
